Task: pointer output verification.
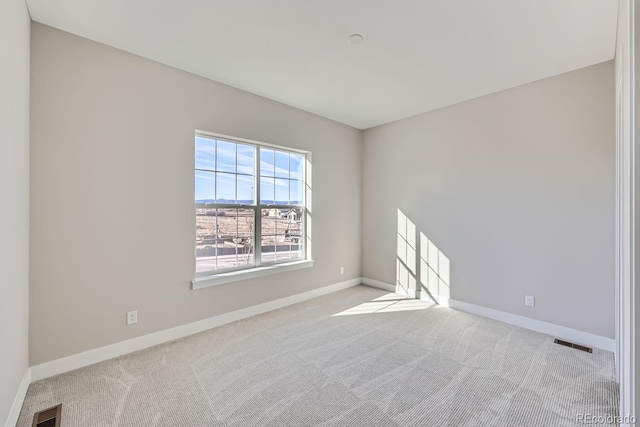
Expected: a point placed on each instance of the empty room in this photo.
(317, 213)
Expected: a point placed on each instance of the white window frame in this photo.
(219, 277)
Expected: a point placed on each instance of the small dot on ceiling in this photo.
(355, 38)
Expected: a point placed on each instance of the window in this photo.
(245, 193)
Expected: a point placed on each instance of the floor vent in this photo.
(572, 345)
(48, 418)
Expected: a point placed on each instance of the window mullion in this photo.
(216, 239)
(215, 177)
(303, 239)
(258, 215)
(236, 240)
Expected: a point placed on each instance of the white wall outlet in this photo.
(341, 270)
(529, 301)
(132, 317)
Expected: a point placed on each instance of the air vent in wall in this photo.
(572, 345)
(48, 418)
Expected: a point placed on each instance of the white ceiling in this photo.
(417, 55)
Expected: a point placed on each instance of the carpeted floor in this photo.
(359, 357)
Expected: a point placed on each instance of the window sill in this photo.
(236, 276)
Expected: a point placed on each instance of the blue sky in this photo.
(231, 166)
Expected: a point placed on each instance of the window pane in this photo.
(274, 228)
(283, 252)
(205, 258)
(296, 166)
(268, 249)
(297, 192)
(205, 153)
(267, 191)
(245, 189)
(296, 228)
(267, 234)
(206, 239)
(282, 236)
(228, 230)
(291, 217)
(226, 156)
(267, 162)
(205, 187)
(282, 164)
(287, 237)
(206, 226)
(246, 159)
(293, 224)
(227, 258)
(227, 224)
(244, 239)
(246, 222)
(226, 188)
(296, 250)
(282, 191)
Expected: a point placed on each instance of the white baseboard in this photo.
(562, 332)
(90, 357)
(12, 420)
(378, 284)
(443, 301)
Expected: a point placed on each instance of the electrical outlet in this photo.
(341, 270)
(529, 301)
(132, 317)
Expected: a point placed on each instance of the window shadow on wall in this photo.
(422, 270)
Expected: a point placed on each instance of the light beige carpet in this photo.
(359, 357)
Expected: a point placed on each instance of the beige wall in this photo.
(14, 199)
(515, 188)
(112, 219)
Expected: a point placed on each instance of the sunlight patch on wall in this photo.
(406, 265)
(434, 269)
(422, 269)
